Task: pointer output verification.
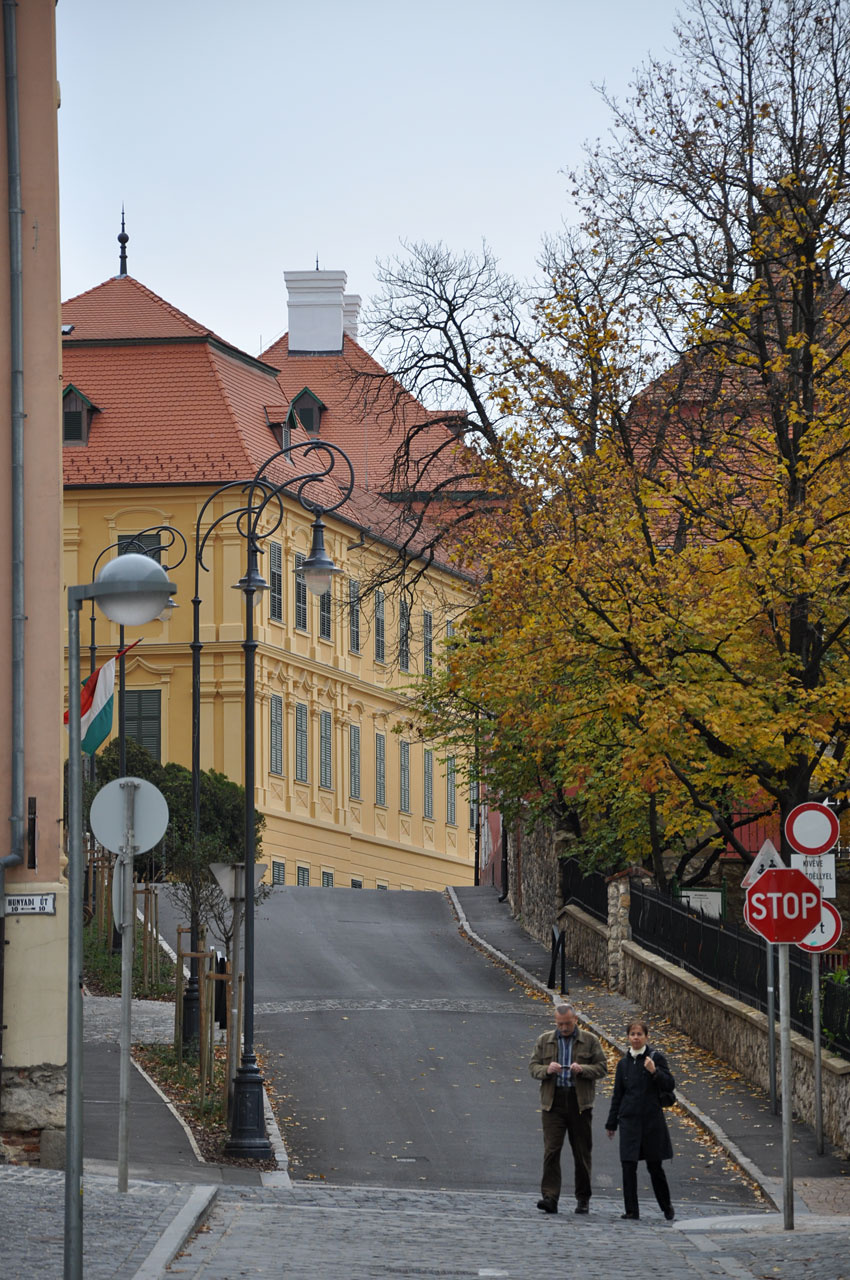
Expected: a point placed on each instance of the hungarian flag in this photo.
(96, 704)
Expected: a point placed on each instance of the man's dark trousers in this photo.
(565, 1120)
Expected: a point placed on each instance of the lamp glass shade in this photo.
(318, 569)
(147, 590)
(318, 580)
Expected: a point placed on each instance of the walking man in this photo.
(567, 1061)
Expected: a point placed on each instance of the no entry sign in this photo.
(783, 906)
(811, 828)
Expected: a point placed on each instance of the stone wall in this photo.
(534, 879)
(738, 1035)
(32, 1120)
(585, 940)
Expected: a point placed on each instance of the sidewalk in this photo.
(733, 1110)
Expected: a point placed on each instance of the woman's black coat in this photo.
(635, 1108)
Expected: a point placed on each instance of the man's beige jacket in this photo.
(586, 1050)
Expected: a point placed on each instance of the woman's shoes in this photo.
(670, 1213)
(633, 1216)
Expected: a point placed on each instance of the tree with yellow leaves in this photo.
(663, 635)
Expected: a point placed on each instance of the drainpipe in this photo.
(16, 345)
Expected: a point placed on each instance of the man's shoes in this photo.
(632, 1216)
(670, 1213)
(548, 1204)
(583, 1206)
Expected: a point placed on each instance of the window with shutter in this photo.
(276, 744)
(380, 769)
(354, 615)
(404, 776)
(428, 642)
(428, 784)
(143, 720)
(325, 749)
(451, 791)
(404, 636)
(276, 582)
(301, 742)
(354, 761)
(300, 595)
(379, 626)
(325, 615)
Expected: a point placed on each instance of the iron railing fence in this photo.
(734, 960)
(589, 891)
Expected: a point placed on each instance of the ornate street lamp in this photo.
(131, 590)
(258, 516)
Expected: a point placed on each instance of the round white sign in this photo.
(108, 815)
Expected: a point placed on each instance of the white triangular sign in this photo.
(766, 859)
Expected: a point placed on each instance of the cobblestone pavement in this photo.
(371, 1234)
(152, 1020)
(122, 1231)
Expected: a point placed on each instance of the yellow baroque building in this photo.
(158, 413)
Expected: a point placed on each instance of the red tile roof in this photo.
(124, 308)
(177, 405)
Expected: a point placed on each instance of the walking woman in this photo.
(642, 1076)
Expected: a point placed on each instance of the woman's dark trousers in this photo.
(659, 1185)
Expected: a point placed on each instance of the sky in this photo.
(245, 140)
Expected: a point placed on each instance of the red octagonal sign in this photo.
(783, 905)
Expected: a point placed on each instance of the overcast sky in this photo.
(246, 139)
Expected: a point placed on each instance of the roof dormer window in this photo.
(77, 412)
(306, 411)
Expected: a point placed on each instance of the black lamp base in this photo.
(191, 1018)
(248, 1139)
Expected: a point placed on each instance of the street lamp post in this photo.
(261, 504)
(131, 590)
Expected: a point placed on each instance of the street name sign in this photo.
(811, 828)
(783, 905)
(825, 933)
(30, 904)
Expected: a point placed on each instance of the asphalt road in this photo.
(398, 1055)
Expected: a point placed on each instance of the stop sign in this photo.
(783, 905)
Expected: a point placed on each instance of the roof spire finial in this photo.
(122, 240)
(317, 262)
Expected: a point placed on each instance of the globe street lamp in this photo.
(131, 590)
(258, 516)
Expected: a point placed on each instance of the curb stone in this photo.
(178, 1231)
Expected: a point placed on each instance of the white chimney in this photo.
(351, 313)
(315, 304)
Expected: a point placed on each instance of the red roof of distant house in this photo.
(366, 411)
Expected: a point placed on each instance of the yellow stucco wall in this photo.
(323, 829)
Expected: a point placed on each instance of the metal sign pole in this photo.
(128, 931)
(771, 1027)
(787, 1085)
(818, 1053)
